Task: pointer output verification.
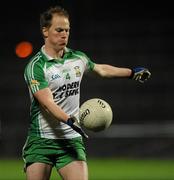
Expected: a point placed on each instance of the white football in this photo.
(95, 114)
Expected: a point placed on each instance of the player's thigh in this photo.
(76, 170)
(38, 171)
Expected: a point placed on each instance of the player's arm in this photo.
(109, 71)
(139, 73)
(45, 99)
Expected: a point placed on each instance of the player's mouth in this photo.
(63, 44)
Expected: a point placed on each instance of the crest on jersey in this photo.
(77, 70)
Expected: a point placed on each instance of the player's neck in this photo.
(56, 54)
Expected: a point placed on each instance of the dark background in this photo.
(118, 33)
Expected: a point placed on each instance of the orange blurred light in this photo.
(23, 49)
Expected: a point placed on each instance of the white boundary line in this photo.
(136, 131)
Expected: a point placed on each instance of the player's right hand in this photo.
(74, 124)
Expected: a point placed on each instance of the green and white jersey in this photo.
(63, 78)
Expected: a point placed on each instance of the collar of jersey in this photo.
(67, 53)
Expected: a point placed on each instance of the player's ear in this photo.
(45, 32)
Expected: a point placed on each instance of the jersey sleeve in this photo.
(34, 77)
(88, 62)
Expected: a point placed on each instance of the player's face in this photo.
(57, 35)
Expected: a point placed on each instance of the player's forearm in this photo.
(45, 99)
(117, 72)
(109, 71)
(55, 111)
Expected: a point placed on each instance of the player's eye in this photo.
(67, 30)
(61, 30)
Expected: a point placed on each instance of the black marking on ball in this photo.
(101, 103)
(83, 115)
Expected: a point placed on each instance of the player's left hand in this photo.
(73, 122)
(140, 74)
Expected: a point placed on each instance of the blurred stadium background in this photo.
(140, 143)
